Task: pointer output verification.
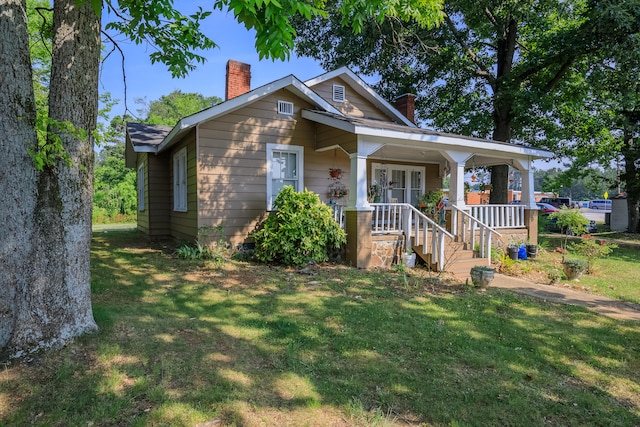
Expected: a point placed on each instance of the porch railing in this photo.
(472, 230)
(498, 216)
(418, 229)
(338, 214)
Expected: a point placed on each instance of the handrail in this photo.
(426, 228)
(418, 228)
(474, 224)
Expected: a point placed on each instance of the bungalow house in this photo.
(337, 137)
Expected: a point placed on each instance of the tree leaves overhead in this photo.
(455, 69)
(175, 36)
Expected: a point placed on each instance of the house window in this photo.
(398, 183)
(141, 187)
(338, 93)
(285, 107)
(180, 181)
(284, 167)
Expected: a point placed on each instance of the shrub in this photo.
(592, 249)
(206, 246)
(571, 222)
(301, 229)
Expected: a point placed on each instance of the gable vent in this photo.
(338, 93)
(285, 107)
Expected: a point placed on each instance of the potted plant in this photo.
(335, 173)
(574, 267)
(409, 258)
(512, 251)
(482, 275)
(571, 222)
(373, 194)
(532, 250)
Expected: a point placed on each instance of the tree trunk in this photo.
(631, 176)
(54, 305)
(502, 106)
(17, 174)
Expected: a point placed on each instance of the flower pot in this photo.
(512, 251)
(482, 276)
(574, 268)
(409, 260)
(532, 251)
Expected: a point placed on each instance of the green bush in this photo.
(570, 221)
(301, 229)
(592, 249)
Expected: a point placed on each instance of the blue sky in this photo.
(235, 42)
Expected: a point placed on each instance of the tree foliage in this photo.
(491, 70)
(169, 109)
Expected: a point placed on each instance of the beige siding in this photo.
(158, 195)
(326, 136)
(184, 225)
(143, 215)
(232, 162)
(354, 104)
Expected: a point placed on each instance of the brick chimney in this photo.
(406, 105)
(238, 79)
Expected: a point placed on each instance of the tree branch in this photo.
(558, 76)
(483, 70)
(44, 21)
(124, 73)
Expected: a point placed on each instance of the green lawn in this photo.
(183, 343)
(616, 275)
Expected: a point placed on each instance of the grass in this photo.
(238, 344)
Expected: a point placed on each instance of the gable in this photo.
(354, 103)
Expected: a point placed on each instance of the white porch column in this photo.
(526, 170)
(457, 161)
(358, 182)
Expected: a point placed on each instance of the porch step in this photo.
(459, 260)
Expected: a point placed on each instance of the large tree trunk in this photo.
(631, 176)
(502, 106)
(54, 305)
(17, 174)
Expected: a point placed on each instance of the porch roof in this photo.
(390, 133)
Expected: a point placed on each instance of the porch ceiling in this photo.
(408, 154)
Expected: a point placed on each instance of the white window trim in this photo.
(299, 150)
(180, 194)
(141, 187)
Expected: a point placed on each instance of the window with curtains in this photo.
(141, 187)
(180, 181)
(284, 167)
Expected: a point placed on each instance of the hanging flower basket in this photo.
(335, 173)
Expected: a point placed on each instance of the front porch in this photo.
(379, 236)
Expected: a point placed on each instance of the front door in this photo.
(398, 183)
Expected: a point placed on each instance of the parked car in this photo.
(600, 204)
(553, 226)
(546, 208)
(557, 201)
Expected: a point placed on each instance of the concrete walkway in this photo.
(606, 306)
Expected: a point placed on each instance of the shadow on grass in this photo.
(182, 343)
